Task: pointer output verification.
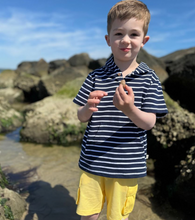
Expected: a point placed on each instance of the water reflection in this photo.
(46, 176)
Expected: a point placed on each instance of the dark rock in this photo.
(39, 68)
(181, 82)
(177, 55)
(53, 65)
(31, 87)
(95, 64)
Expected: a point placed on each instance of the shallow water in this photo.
(48, 176)
(17, 157)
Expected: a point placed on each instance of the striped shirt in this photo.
(113, 146)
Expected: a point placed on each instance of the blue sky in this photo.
(57, 29)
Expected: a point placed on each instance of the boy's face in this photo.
(126, 38)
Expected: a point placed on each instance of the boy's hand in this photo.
(94, 99)
(123, 101)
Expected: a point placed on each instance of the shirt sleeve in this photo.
(83, 94)
(154, 100)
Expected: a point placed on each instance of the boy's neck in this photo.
(127, 67)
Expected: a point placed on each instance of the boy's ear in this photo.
(145, 40)
(107, 39)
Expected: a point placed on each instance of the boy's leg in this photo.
(120, 194)
(90, 217)
(90, 196)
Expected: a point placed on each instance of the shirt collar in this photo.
(113, 68)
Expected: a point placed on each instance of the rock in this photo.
(7, 78)
(58, 78)
(177, 125)
(15, 204)
(38, 69)
(177, 55)
(53, 65)
(154, 63)
(10, 119)
(52, 120)
(31, 87)
(12, 94)
(181, 82)
(82, 59)
(95, 64)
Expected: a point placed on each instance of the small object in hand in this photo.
(123, 83)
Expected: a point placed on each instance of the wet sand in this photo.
(47, 177)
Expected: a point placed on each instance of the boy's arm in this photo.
(85, 112)
(125, 103)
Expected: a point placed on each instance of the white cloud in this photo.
(30, 35)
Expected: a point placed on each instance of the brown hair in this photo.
(128, 9)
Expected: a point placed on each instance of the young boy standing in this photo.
(114, 146)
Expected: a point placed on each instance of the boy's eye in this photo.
(134, 34)
(117, 34)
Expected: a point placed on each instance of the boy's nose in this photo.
(126, 39)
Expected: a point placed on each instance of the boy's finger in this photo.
(129, 89)
(122, 92)
(93, 109)
(93, 101)
(98, 94)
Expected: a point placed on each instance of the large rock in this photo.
(169, 58)
(12, 94)
(95, 64)
(55, 64)
(181, 82)
(154, 63)
(82, 59)
(59, 77)
(10, 119)
(170, 144)
(7, 78)
(52, 120)
(39, 68)
(31, 87)
(13, 205)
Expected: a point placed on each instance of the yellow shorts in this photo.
(119, 193)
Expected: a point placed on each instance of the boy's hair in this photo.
(128, 9)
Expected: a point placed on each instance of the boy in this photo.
(114, 146)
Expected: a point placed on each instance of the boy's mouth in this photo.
(126, 49)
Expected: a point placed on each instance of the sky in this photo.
(58, 29)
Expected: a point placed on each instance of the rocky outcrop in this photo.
(154, 63)
(95, 64)
(178, 125)
(169, 58)
(82, 59)
(38, 69)
(59, 77)
(52, 120)
(31, 87)
(180, 84)
(53, 65)
(10, 119)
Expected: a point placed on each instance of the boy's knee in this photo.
(90, 217)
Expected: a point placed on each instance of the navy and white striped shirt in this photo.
(113, 146)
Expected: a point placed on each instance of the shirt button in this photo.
(119, 74)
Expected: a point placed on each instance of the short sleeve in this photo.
(83, 94)
(154, 100)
